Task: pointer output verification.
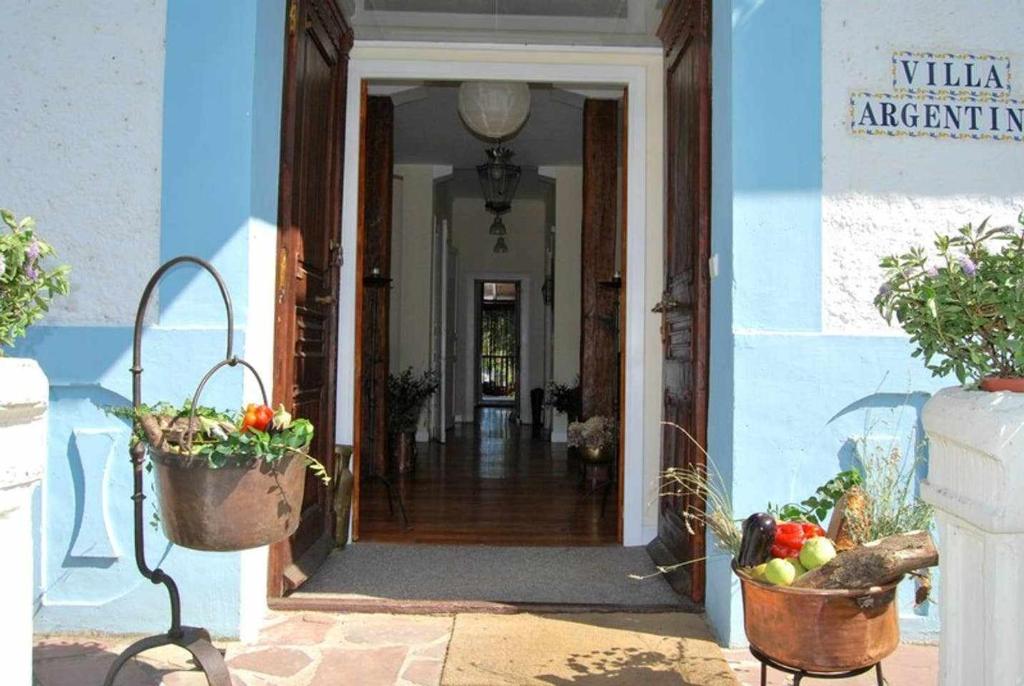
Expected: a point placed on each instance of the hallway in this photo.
(491, 484)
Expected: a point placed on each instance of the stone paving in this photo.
(320, 649)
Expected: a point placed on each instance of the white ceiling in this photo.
(428, 129)
(554, 22)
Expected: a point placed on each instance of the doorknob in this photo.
(666, 305)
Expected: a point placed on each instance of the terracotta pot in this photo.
(1002, 383)
(825, 631)
(229, 508)
(344, 484)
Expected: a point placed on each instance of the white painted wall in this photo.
(525, 257)
(411, 286)
(883, 194)
(80, 142)
(568, 228)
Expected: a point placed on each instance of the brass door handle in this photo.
(667, 305)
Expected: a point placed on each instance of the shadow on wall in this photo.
(890, 434)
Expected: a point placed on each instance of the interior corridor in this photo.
(492, 483)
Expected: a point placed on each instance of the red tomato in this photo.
(251, 419)
(264, 415)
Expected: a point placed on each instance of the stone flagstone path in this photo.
(321, 649)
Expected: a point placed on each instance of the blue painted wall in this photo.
(222, 99)
(786, 399)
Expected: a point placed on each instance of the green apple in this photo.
(758, 571)
(780, 572)
(800, 569)
(816, 552)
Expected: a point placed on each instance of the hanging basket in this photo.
(244, 504)
(819, 630)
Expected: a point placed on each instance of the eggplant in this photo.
(758, 537)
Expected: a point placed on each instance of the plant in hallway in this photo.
(566, 399)
(407, 394)
(27, 286)
(595, 438)
(964, 308)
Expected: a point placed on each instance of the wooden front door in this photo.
(686, 34)
(308, 261)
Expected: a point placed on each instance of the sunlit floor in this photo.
(491, 483)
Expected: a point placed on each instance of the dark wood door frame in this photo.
(685, 32)
(311, 25)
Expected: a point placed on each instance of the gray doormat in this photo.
(579, 575)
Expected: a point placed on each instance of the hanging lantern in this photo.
(500, 246)
(498, 180)
(494, 109)
(498, 226)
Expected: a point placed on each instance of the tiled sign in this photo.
(942, 95)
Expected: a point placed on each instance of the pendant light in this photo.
(500, 246)
(496, 110)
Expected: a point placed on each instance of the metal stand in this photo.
(799, 674)
(195, 640)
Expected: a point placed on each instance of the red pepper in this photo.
(812, 530)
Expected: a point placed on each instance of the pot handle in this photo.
(232, 361)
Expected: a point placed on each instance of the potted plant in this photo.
(595, 439)
(963, 307)
(407, 394)
(225, 481)
(566, 399)
(27, 286)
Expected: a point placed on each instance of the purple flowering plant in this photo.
(963, 306)
(27, 285)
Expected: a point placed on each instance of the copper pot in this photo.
(602, 455)
(228, 508)
(820, 630)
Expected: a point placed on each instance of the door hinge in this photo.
(337, 253)
(293, 16)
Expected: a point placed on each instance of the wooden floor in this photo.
(491, 483)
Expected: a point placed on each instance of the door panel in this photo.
(685, 32)
(306, 315)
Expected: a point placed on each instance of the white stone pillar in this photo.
(24, 397)
(976, 483)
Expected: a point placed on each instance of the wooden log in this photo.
(874, 564)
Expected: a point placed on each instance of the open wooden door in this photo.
(686, 33)
(308, 261)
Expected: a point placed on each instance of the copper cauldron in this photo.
(233, 507)
(819, 630)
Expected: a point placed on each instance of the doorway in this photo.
(497, 346)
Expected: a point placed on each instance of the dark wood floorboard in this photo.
(492, 484)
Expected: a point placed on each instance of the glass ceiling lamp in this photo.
(498, 226)
(496, 110)
(500, 246)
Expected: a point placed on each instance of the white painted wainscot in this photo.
(24, 398)
(975, 481)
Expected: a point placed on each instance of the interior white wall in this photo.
(642, 72)
(83, 87)
(568, 238)
(525, 257)
(395, 307)
(412, 230)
